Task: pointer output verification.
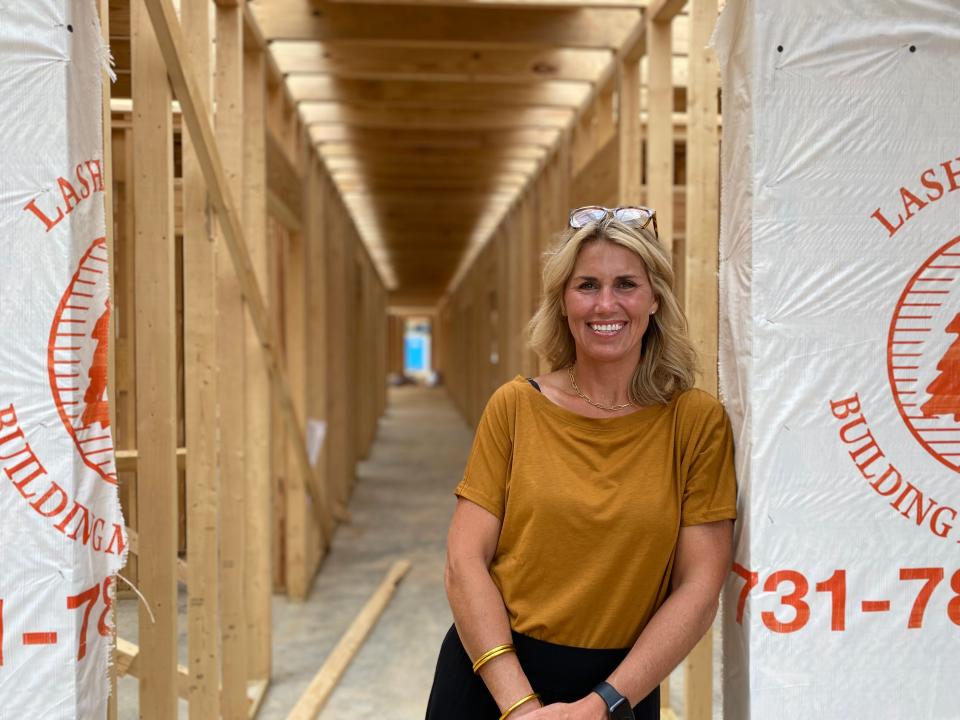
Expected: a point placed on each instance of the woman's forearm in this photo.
(666, 640)
(482, 624)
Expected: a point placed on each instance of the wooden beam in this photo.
(318, 692)
(449, 26)
(628, 129)
(660, 129)
(703, 177)
(259, 494)
(299, 572)
(182, 79)
(231, 368)
(432, 118)
(200, 404)
(406, 93)
(702, 255)
(511, 4)
(156, 329)
(439, 166)
(474, 64)
(377, 138)
(430, 154)
(664, 10)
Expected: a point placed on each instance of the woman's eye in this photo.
(587, 285)
(628, 284)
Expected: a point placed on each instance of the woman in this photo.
(593, 529)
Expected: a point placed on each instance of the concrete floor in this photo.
(400, 508)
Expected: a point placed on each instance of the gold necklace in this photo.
(573, 381)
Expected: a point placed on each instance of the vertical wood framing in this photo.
(660, 128)
(276, 241)
(317, 338)
(703, 173)
(231, 344)
(299, 573)
(156, 370)
(702, 253)
(258, 474)
(200, 339)
(628, 129)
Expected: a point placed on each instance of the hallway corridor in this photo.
(400, 509)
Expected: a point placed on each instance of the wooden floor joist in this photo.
(324, 682)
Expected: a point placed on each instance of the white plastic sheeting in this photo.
(840, 356)
(61, 531)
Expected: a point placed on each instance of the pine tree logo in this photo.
(96, 411)
(945, 390)
(923, 355)
(77, 361)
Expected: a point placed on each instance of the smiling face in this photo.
(608, 301)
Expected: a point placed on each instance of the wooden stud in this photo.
(170, 38)
(276, 241)
(231, 381)
(702, 253)
(660, 129)
(258, 472)
(203, 491)
(299, 571)
(155, 370)
(628, 126)
(318, 338)
(703, 173)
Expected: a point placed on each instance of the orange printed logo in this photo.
(923, 355)
(77, 354)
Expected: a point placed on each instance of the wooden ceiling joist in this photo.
(405, 93)
(432, 118)
(441, 168)
(385, 24)
(511, 4)
(397, 138)
(406, 154)
(511, 65)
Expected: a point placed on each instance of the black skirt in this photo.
(560, 673)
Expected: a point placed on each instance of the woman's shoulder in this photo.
(695, 404)
(507, 393)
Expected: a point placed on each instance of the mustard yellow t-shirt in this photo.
(591, 508)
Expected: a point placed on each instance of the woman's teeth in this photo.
(607, 328)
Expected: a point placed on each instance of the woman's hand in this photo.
(591, 707)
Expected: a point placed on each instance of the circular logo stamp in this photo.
(923, 355)
(77, 361)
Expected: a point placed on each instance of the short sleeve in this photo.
(710, 485)
(485, 477)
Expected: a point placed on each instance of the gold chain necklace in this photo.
(573, 381)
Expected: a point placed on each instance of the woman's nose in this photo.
(605, 298)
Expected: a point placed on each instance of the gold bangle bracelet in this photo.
(518, 703)
(491, 654)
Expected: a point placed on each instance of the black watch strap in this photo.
(618, 707)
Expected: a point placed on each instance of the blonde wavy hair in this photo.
(668, 361)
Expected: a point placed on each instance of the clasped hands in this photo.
(590, 707)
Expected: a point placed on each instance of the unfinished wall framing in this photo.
(230, 344)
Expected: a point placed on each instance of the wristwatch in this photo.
(618, 707)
